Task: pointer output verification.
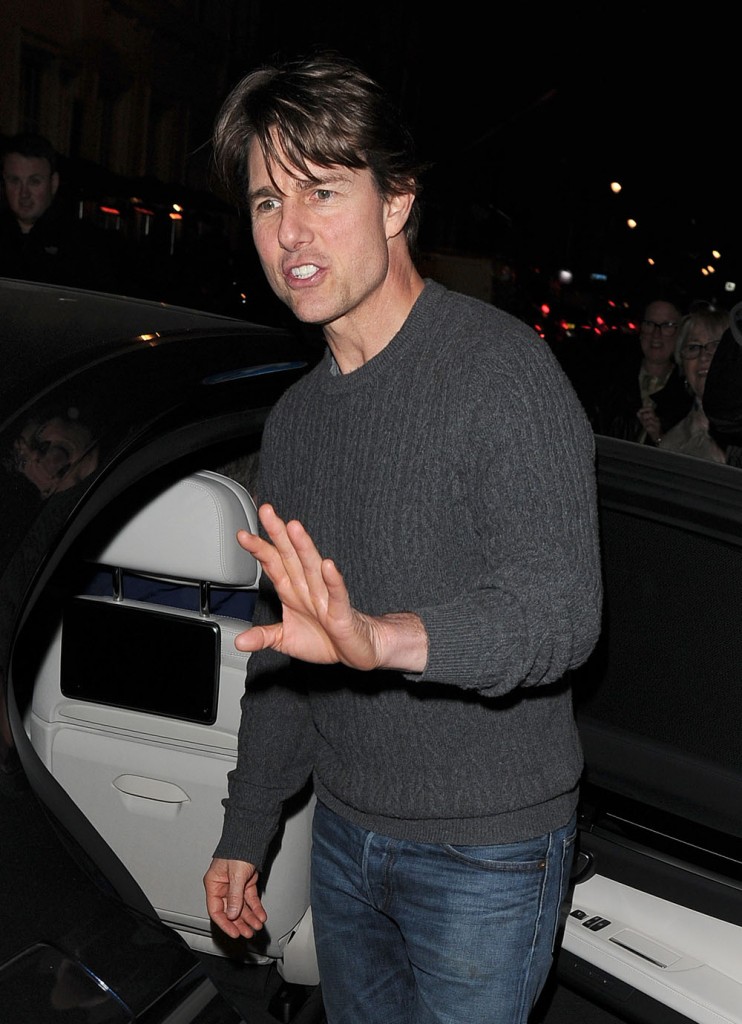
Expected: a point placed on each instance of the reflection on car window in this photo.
(54, 451)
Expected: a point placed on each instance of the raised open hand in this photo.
(319, 624)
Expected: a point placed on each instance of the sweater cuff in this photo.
(245, 841)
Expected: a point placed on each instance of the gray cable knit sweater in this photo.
(451, 476)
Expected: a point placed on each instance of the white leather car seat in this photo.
(136, 709)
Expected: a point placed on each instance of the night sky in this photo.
(526, 116)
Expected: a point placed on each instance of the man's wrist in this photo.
(403, 642)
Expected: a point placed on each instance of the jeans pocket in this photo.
(527, 855)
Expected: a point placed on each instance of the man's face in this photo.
(30, 187)
(323, 244)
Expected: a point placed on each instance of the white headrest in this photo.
(189, 532)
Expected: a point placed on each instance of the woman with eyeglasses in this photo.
(641, 380)
(697, 341)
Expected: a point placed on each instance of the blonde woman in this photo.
(698, 338)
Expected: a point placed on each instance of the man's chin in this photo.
(308, 312)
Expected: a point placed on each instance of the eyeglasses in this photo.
(666, 329)
(695, 348)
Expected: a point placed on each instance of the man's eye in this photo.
(324, 194)
(266, 206)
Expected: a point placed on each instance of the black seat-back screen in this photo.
(140, 659)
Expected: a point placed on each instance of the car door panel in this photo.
(139, 726)
(658, 706)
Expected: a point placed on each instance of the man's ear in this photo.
(54, 182)
(398, 211)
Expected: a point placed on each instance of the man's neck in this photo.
(358, 337)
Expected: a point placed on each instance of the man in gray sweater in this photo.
(431, 564)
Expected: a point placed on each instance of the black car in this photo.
(104, 402)
(129, 433)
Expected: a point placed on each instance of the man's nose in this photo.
(294, 229)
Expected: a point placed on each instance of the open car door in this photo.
(655, 929)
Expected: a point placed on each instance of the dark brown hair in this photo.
(29, 144)
(322, 110)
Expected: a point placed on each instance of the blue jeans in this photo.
(426, 933)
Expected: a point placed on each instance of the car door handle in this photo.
(583, 867)
(151, 789)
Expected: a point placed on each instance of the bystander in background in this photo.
(697, 341)
(643, 379)
(41, 239)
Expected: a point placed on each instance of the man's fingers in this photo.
(255, 906)
(232, 898)
(278, 557)
(257, 638)
(242, 904)
(300, 561)
(261, 549)
(291, 539)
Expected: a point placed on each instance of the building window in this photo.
(33, 67)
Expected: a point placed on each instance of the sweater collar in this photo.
(421, 315)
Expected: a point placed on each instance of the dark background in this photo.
(525, 114)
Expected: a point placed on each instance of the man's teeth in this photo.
(304, 271)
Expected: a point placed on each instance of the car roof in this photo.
(71, 310)
(44, 328)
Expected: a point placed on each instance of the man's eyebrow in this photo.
(261, 193)
(302, 185)
(330, 175)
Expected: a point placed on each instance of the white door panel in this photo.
(159, 807)
(685, 960)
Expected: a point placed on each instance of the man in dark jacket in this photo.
(40, 239)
